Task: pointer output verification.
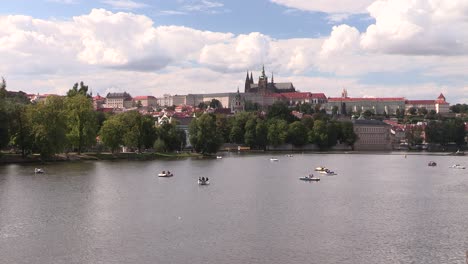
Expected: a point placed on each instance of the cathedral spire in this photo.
(247, 77)
(251, 78)
(263, 70)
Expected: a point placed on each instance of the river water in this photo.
(378, 209)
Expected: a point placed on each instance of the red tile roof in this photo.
(349, 99)
(304, 95)
(420, 102)
(144, 97)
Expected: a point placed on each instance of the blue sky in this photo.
(375, 48)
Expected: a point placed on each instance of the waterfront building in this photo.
(372, 135)
(439, 105)
(119, 100)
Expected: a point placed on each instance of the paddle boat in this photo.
(289, 155)
(38, 170)
(274, 159)
(203, 181)
(320, 169)
(327, 172)
(219, 157)
(432, 163)
(457, 166)
(165, 174)
(309, 177)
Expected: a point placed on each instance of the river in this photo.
(380, 208)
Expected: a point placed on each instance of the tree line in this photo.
(70, 124)
(258, 131)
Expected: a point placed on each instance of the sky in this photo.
(372, 48)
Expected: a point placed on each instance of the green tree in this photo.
(250, 132)
(215, 103)
(251, 107)
(20, 128)
(277, 132)
(4, 127)
(368, 113)
(3, 91)
(111, 132)
(173, 138)
(456, 129)
(412, 110)
(349, 137)
(139, 130)
(334, 110)
(48, 126)
(204, 137)
(81, 121)
(422, 111)
(297, 134)
(436, 133)
(319, 134)
(261, 133)
(202, 105)
(81, 89)
(306, 108)
(238, 127)
(280, 110)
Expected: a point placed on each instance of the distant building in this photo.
(372, 135)
(238, 103)
(98, 102)
(306, 97)
(119, 100)
(166, 100)
(146, 101)
(347, 105)
(265, 87)
(439, 105)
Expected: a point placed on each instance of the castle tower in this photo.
(247, 82)
(237, 104)
(263, 82)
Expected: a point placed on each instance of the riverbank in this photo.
(7, 158)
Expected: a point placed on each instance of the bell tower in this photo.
(263, 82)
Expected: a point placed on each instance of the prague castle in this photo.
(265, 87)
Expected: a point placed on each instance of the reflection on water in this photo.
(378, 209)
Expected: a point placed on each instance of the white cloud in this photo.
(204, 6)
(124, 4)
(128, 52)
(418, 27)
(327, 6)
(171, 13)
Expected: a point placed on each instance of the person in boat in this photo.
(168, 173)
(203, 179)
(163, 172)
(206, 179)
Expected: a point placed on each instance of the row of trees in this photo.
(62, 124)
(279, 126)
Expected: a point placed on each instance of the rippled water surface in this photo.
(378, 209)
